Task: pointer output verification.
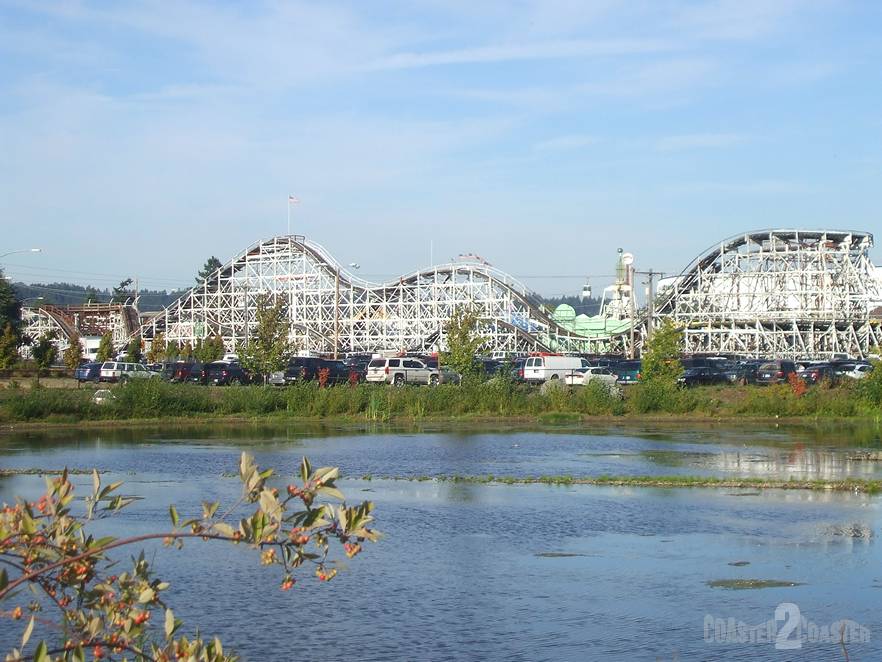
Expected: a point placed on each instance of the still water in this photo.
(514, 572)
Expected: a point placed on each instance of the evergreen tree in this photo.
(122, 292)
(45, 351)
(90, 295)
(105, 348)
(172, 350)
(270, 348)
(212, 264)
(133, 351)
(463, 342)
(8, 348)
(10, 306)
(73, 354)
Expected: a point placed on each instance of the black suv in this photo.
(702, 376)
(306, 368)
(221, 373)
(775, 372)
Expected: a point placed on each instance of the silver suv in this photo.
(118, 371)
(401, 371)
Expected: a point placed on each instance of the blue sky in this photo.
(138, 138)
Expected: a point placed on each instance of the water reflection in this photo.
(527, 572)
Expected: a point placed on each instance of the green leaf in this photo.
(27, 633)
(42, 653)
(224, 529)
(331, 492)
(173, 513)
(147, 595)
(4, 578)
(96, 481)
(209, 509)
(305, 469)
(169, 623)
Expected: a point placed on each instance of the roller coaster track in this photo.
(332, 308)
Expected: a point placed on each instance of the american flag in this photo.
(293, 199)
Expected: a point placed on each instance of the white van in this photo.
(542, 368)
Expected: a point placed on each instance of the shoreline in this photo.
(857, 485)
(550, 420)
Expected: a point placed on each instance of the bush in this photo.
(597, 398)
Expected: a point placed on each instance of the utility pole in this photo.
(651, 275)
(633, 306)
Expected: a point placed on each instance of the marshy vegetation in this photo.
(494, 398)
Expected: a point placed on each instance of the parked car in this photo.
(628, 372)
(223, 373)
(818, 372)
(119, 371)
(306, 368)
(448, 376)
(103, 396)
(702, 376)
(775, 372)
(584, 376)
(401, 371)
(197, 373)
(88, 372)
(181, 371)
(538, 369)
(600, 374)
(517, 369)
(853, 370)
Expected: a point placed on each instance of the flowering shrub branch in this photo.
(46, 550)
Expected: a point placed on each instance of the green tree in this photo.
(172, 350)
(661, 354)
(74, 353)
(211, 265)
(133, 350)
(156, 353)
(209, 349)
(45, 351)
(105, 348)
(269, 348)
(463, 342)
(10, 306)
(122, 292)
(99, 609)
(8, 348)
(90, 295)
(186, 351)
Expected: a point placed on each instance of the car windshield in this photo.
(377, 363)
(769, 366)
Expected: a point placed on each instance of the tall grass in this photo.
(494, 398)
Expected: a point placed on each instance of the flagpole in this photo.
(289, 216)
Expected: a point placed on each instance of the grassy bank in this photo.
(863, 486)
(156, 400)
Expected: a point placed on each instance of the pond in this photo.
(515, 572)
